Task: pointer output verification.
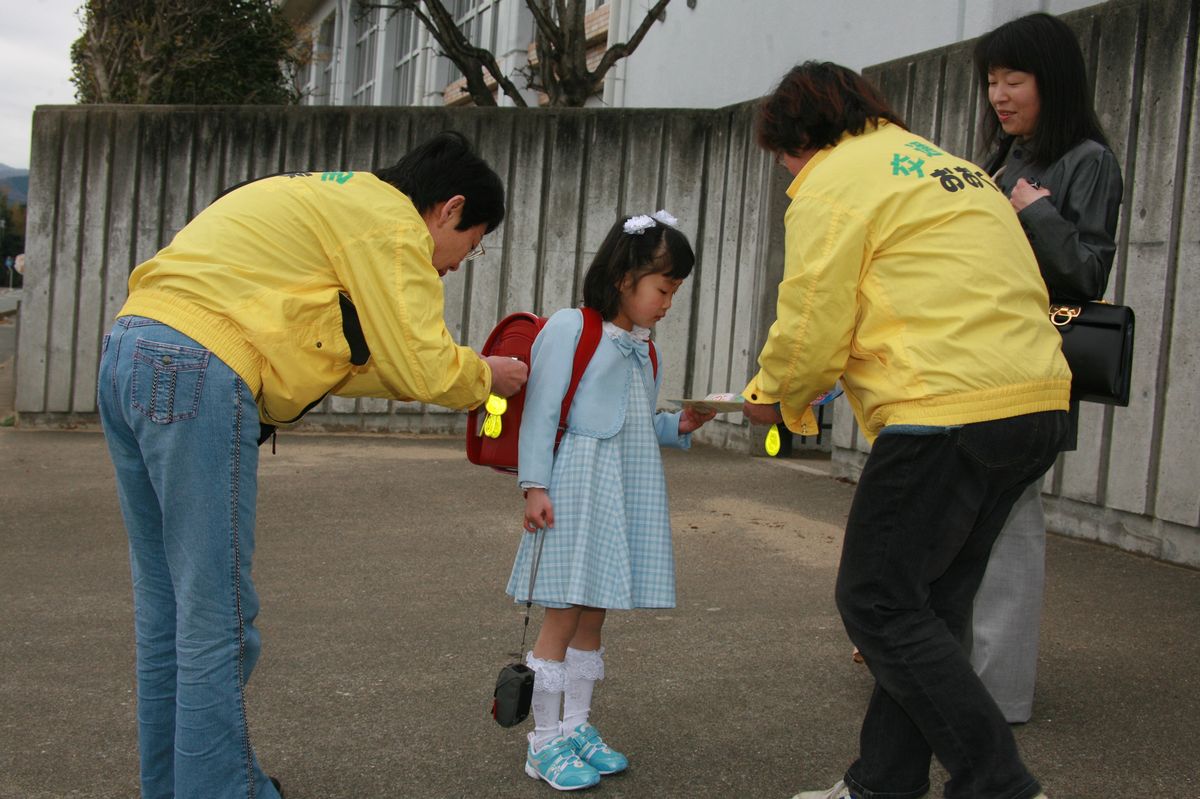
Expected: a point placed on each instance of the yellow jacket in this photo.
(908, 276)
(256, 279)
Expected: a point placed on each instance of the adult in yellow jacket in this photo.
(907, 276)
(283, 290)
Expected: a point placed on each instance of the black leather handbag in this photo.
(1097, 340)
(513, 694)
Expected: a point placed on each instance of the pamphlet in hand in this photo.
(713, 403)
(732, 403)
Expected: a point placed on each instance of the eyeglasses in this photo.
(475, 252)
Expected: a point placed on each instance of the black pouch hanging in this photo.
(513, 693)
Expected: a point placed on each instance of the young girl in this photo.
(601, 499)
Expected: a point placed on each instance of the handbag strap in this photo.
(533, 569)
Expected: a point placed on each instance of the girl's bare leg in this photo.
(587, 629)
(559, 627)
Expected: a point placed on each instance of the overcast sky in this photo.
(35, 67)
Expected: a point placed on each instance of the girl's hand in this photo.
(539, 511)
(690, 420)
(1026, 193)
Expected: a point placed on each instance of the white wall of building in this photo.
(726, 51)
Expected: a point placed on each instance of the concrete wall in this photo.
(110, 185)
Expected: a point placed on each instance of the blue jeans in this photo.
(181, 429)
(921, 526)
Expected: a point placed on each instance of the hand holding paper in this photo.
(771, 414)
(692, 418)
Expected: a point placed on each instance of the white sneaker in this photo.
(840, 791)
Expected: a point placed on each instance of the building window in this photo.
(404, 33)
(477, 20)
(321, 70)
(588, 7)
(365, 30)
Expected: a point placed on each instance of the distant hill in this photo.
(14, 183)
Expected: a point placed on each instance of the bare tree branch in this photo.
(562, 51)
(544, 22)
(625, 49)
(560, 38)
(469, 59)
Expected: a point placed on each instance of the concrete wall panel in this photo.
(67, 251)
(91, 322)
(1178, 497)
(683, 195)
(1131, 483)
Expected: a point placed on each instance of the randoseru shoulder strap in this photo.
(589, 340)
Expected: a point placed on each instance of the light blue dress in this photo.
(610, 546)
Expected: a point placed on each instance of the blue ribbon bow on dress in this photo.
(628, 345)
(636, 342)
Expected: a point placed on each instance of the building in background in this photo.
(703, 54)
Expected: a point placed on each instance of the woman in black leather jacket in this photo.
(1049, 155)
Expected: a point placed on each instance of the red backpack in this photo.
(493, 441)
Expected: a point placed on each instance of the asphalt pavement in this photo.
(381, 566)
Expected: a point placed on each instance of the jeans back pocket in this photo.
(167, 380)
(1003, 443)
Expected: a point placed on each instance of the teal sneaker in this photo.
(557, 764)
(587, 743)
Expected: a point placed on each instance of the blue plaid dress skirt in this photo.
(610, 546)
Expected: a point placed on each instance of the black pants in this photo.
(923, 520)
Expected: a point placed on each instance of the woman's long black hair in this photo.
(1044, 46)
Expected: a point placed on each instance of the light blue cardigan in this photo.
(598, 409)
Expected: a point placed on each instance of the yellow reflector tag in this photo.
(495, 405)
(491, 426)
(772, 443)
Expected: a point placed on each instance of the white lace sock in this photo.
(583, 668)
(549, 677)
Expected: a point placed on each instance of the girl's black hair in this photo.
(1045, 47)
(659, 249)
(440, 168)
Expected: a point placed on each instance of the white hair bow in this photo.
(664, 217)
(636, 225)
